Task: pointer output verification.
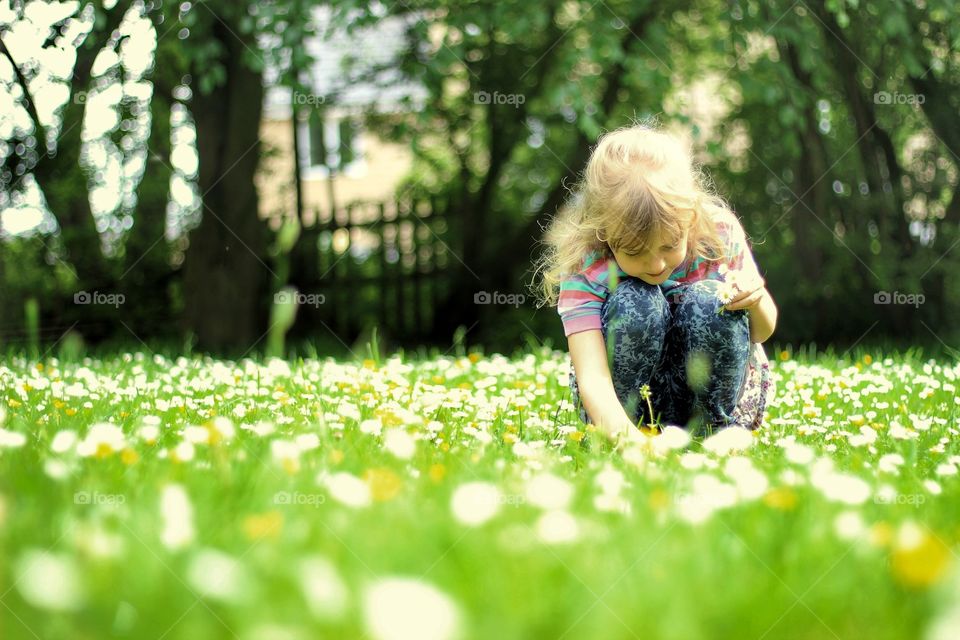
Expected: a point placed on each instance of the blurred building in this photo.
(339, 160)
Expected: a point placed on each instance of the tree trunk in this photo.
(225, 274)
(62, 179)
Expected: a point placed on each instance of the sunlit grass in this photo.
(145, 497)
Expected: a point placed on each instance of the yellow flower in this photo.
(782, 498)
(437, 472)
(388, 418)
(262, 525)
(384, 483)
(880, 535)
(335, 456)
(128, 456)
(919, 559)
(659, 499)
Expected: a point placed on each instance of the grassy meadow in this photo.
(458, 496)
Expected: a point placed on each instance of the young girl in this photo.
(659, 295)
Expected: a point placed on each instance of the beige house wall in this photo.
(385, 165)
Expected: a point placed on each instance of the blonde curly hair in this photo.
(639, 181)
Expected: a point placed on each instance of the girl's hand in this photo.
(745, 294)
(620, 434)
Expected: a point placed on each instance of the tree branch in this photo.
(41, 133)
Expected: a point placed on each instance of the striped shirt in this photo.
(582, 294)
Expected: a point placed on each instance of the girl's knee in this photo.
(703, 295)
(636, 307)
(699, 304)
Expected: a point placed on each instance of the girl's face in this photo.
(654, 265)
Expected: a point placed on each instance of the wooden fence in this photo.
(381, 263)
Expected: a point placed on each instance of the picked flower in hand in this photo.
(739, 290)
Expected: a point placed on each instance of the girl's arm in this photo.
(588, 353)
(763, 317)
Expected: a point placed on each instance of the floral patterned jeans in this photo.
(693, 358)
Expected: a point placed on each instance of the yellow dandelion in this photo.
(919, 559)
(263, 525)
(437, 472)
(649, 430)
(384, 483)
(659, 499)
(128, 456)
(782, 498)
(880, 534)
